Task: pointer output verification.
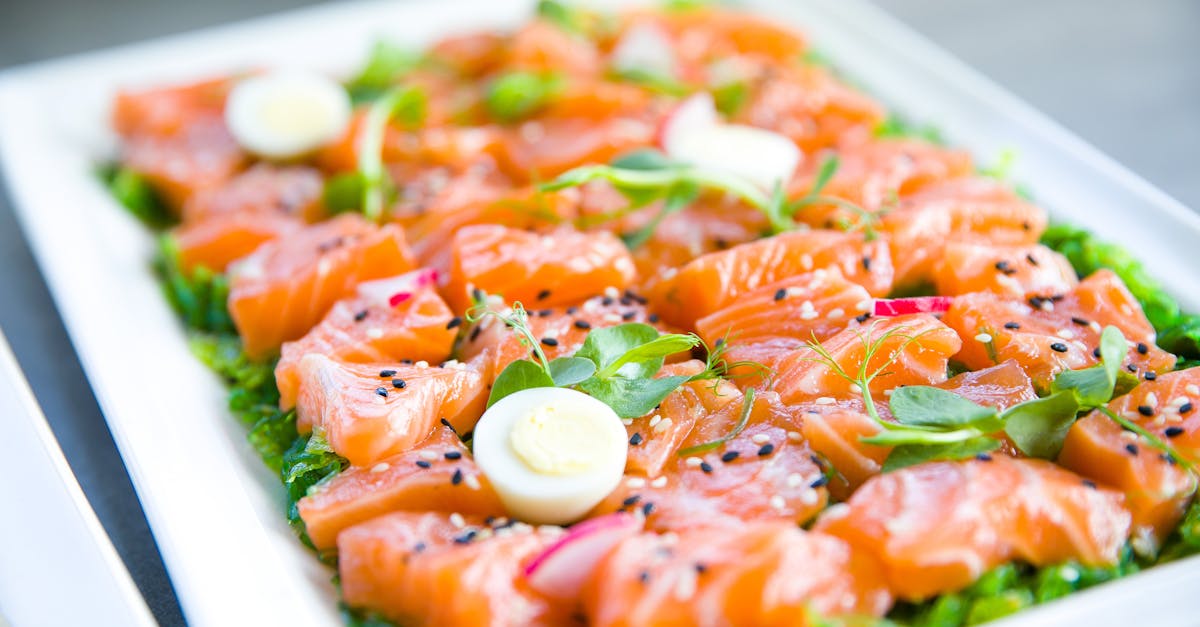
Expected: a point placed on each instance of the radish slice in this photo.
(695, 113)
(394, 290)
(915, 305)
(561, 570)
(644, 48)
(693, 133)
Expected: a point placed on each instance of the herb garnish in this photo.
(516, 95)
(616, 365)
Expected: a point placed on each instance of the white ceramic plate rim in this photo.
(215, 511)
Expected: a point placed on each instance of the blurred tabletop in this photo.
(1123, 75)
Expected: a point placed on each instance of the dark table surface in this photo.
(1124, 75)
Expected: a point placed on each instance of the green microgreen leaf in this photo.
(934, 407)
(568, 371)
(605, 346)
(895, 126)
(403, 103)
(1039, 426)
(1094, 386)
(515, 318)
(911, 454)
(517, 376)
(730, 97)
(631, 398)
(653, 81)
(137, 194)
(678, 198)
(644, 159)
(738, 427)
(386, 63)
(344, 192)
(513, 96)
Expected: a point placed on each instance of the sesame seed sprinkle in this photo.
(549, 341)
(780, 294)
(360, 316)
(760, 438)
(381, 391)
(636, 439)
(429, 455)
(1172, 432)
(384, 374)
(659, 482)
(452, 455)
(399, 384)
(454, 323)
(706, 467)
(423, 464)
(380, 467)
(777, 502)
(766, 449)
(729, 456)
(983, 338)
(472, 482)
(457, 477)
(1058, 347)
(635, 483)
(825, 400)
(457, 520)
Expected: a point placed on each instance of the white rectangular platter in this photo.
(215, 510)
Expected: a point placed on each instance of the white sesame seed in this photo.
(611, 318)
(1192, 389)
(655, 419)
(777, 502)
(374, 333)
(825, 400)
(670, 538)
(837, 510)
(819, 274)
(628, 422)
(794, 436)
(1152, 399)
(428, 455)
(550, 530)
(809, 497)
(612, 292)
(1047, 305)
(809, 315)
(760, 438)
(457, 520)
(1180, 400)
(888, 392)
(635, 483)
(1066, 334)
(866, 304)
(685, 586)
(983, 338)
(380, 467)
(662, 426)
(693, 462)
(659, 482)
(422, 364)
(1129, 435)
(1095, 326)
(835, 313)
(794, 480)
(472, 482)
(807, 306)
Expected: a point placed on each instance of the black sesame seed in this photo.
(1145, 410)
(983, 457)
(478, 294)
(700, 568)
(381, 391)
(452, 455)
(766, 449)
(1151, 375)
(607, 301)
(399, 384)
(1005, 268)
(384, 374)
(407, 362)
(466, 537)
(780, 294)
(1031, 259)
(360, 316)
(1132, 449)
(644, 576)
(648, 509)
(418, 547)
(1142, 349)
(652, 318)
(1088, 483)
(1172, 432)
(1012, 326)
(625, 301)
(1096, 352)
(819, 482)
(1131, 367)
(446, 423)
(730, 456)
(454, 323)
(861, 318)
(457, 477)
(572, 310)
(1058, 347)
(706, 467)
(1026, 226)
(583, 324)
(543, 295)
(635, 440)
(866, 263)
(630, 501)
(1079, 321)
(545, 313)
(1185, 408)
(423, 464)
(475, 333)
(549, 341)
(629, 315)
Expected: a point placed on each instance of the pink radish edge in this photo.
(397, 289)
(561, 570)
(917, 304)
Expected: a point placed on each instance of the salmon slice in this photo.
(1014, 270)
(286, 286)
(1171, 400)
(217, 242)
(1049, 334)
(717, 279)
(560, 268)
(975, 209)
(370, 412)
(543, 148)
(1156, 491)
(789, 312)
(703, 33)
(808, 105)
(925, 346)
(939, 526)
(369, 328)
(763, 573)
(423, 568)
(541, 46)
(165, 111)
(438, 475)
(201, 155)
(766, 472)
(662, 433)
(835, 431)
(470, 54)
(263, 189)
(875, 174)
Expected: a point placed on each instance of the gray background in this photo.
(1124, 75)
